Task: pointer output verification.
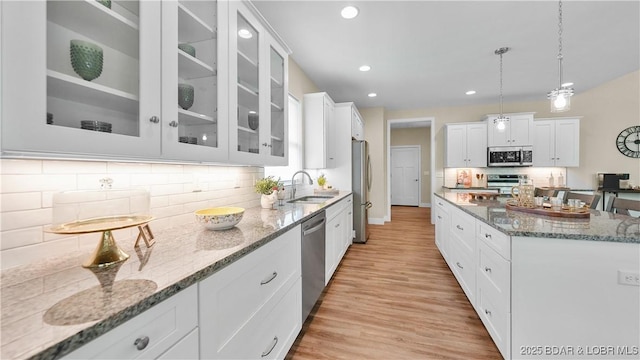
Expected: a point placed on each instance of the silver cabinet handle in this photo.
(460, 266)
(349, 212)
(439, 217)
(269, 279)
(264, 144)
(460, 227)
(337, 225)
(487, 236)
(173, 124)
(154, 119)
(487, 269)
(141, 342)
(273, 344)
(487, 312)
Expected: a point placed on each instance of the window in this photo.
(295, 145)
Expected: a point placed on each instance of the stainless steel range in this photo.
(504, 182)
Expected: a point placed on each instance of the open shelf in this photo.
(276, 108)
(75, 89)
(97, 22)
(187, 117)
(275, 83)
(191, 28)
(247, 130)
(193, 68)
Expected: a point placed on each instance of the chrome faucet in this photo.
(293, 185)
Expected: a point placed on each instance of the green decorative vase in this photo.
(106, 3)
(86, 59)
(188, 49)
(185, 96)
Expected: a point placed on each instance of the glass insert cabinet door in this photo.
(191, 112)
(248, 86)
(81, 77)
(278, 93)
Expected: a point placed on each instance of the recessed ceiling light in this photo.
(470, 92)
(567, 84)
(245, 34)
(349, 12)
(365, 68)
(372, 95)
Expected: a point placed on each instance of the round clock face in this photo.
(628, 142)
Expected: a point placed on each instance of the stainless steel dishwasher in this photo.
(313, 253)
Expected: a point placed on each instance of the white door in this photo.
(405, 175)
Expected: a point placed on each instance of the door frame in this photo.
(431, 121)
(419, 169)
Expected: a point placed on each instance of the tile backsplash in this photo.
(27, 188)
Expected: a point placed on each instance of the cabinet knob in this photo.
(487, 236)
(460, 227)
(173, 124)
(487, 269)
(141, 342)
(154, 119)
(487, 312)
(264, 144)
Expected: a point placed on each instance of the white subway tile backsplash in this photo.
(73, 167)
(176, 190)
(20, 201)
(25, 236)
(13, 220)
(39, 182)
(21, 167)
(128, 168)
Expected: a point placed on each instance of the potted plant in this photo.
(268, 189)
(322, 181)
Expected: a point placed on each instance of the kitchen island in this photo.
(545, 287)
(53, 307)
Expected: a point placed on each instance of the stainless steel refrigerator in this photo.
(361, 185)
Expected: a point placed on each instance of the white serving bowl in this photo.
(219, 218)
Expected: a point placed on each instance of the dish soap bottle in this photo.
(560, 180)
(551, 181)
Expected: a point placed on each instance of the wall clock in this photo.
(628, 142)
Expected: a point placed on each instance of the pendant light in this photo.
(500, 121)
(561, 96)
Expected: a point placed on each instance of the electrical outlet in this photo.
(628, 278)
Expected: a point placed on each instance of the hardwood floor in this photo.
(394, 298)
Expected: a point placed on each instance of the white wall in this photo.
(27, 187)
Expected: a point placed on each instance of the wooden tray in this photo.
(582, 213)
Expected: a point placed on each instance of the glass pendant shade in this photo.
(560, 99)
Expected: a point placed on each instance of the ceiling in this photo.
(429, 53)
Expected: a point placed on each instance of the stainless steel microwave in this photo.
(510, 156)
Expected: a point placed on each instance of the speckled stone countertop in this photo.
(36, 299)
(600, 226)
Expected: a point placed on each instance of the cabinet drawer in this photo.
(164, 325)
(496, 319)
(269, 333)
(333, 210)
(232, 296)
(494, 274)
(187, 348)
(441, 204)
(497, 240)
(464, 269)
(463, 229)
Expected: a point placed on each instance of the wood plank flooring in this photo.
(394, 298)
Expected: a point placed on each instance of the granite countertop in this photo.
(52, 307)
(600, 226)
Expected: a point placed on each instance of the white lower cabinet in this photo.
(461, 251)
(442, 227)
(163, 331)
(338, 234)
(493, 295)
(251, 309)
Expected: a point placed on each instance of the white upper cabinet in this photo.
(191, 129)
(319, 127)
(115, 86)
(556, 142)
(357, 124)
(518, 130)
(257, 90)
(175, 80)
(466, 145)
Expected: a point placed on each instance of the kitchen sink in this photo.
(311, 199)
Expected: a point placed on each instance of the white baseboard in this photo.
(376, 221)
(425, 205)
